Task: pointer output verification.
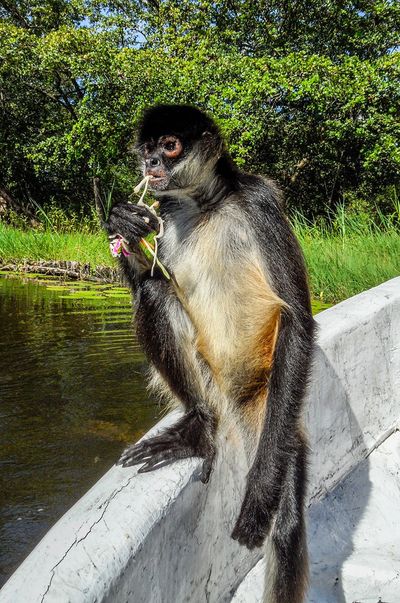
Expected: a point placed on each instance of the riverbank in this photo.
(343, 259)
(62, 269)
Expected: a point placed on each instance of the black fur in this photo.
(292, 360)
(184, 121)
(274, 499)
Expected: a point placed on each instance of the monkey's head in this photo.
(178, 145)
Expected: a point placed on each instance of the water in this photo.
(72, 395)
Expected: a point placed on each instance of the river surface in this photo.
(72, 395)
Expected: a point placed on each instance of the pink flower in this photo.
(119, 245)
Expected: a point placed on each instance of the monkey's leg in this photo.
(166, 334)
(287, 559)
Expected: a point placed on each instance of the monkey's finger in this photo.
(132, 232)
(248, 533)
(140, 210)
(127, 211)
(126, 216)
(250, 542)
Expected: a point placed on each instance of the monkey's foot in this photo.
(253, 523)
(193, 435)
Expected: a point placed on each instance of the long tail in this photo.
(287, 573)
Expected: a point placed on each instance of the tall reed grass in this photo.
(350, 252)
(58, 235)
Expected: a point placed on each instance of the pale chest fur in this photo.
(222, 286)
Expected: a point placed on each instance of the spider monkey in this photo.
(231, 332)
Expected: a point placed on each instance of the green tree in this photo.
(307, 93)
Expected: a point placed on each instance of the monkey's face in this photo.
(159, 159)
(179, 146)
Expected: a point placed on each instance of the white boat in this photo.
(164, 537)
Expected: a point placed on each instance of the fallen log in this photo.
(65, 270)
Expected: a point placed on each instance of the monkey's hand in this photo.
(132, 222)
(254, 521)
(193, 435)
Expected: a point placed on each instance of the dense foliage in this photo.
(305, 92)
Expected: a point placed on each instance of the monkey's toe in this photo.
(155, 453)
(187, 438)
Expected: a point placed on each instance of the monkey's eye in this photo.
(171, 145)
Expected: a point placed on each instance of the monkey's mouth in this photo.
(158, 181)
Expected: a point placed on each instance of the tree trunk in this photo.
(7, 202)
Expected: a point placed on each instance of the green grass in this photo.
(339, 270)
(88, 248)
(349, 254)
(346, 255)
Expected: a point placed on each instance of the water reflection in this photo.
(71, 394)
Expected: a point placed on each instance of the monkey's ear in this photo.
(213, 143)
(209, 140)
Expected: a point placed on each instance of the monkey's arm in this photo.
(167, 335)
(164, 328)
